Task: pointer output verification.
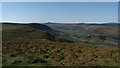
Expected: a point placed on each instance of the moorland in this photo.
(60, 44)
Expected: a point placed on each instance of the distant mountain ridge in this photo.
(111, 24)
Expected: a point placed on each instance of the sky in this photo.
(60, 12)
(60, 0)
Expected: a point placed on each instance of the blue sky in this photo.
(60, 12)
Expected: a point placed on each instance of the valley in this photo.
(94, 34)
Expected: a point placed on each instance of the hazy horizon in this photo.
(60, 12)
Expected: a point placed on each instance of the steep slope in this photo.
(39, 26)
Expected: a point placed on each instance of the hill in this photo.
(31, 31)
(36, 45)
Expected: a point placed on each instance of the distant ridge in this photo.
(111, 23)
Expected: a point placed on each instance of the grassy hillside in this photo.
(46, 53)
(26, 31)
(24, 45)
